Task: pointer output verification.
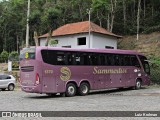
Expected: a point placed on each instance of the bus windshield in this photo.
(145, 64)
(27, 53)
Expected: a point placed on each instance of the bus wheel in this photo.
(70, 90)
(138, 84)
(83, 89)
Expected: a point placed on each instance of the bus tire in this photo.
(138, 84)
(83, 89)
(70, 90)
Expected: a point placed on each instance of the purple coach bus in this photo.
(52, 70)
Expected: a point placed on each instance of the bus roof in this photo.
(98, 50)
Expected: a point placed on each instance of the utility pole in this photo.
(27, 27)
(138, 18)
(89, 31)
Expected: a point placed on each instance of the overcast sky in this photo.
(3, 0)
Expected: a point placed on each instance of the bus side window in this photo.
(74, 58)
(121, 60)
(61, 58)
(101, 60)
(93, 59)
(108, 60)
(68, 58)
(111, 60)
(117, 60)
(77, 58)
(49, 56)
(134, 61)
(84, 59)
(127, 61)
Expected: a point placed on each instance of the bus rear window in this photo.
(27, 53)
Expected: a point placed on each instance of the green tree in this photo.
(13, 56)
(118, 16)
(4, 56)
(53, 42)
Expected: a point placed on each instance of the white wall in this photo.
(100, 41)
(96, 41)
(69, 40)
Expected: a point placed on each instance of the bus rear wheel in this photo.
(83, 89)
(138, 84)
(70, 90)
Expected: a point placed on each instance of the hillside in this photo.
(149, 44)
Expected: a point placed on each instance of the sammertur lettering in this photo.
(97, 70)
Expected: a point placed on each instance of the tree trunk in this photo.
(124, 14)
(48, 38)
(108, 22)
(152, 11)
(80, 12)
(144, 14)
(113, 7)
(100, 22)
(134, 9)
(36, 38)
(138, 18)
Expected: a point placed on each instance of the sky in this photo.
(3, 0)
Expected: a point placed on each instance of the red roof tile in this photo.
(79, 27)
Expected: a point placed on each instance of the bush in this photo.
(155, 75)
(15, 64)
(155, 69)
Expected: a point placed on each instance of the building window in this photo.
(69, 46)
(109, 47)
(82, 41)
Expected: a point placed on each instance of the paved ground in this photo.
(145, 99)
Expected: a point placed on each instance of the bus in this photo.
(52, 70)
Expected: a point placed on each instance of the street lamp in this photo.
(89, 17)
(27, 26)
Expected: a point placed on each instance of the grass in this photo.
(148, 44)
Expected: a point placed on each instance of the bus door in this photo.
(145, 70)
(49, 83)
(131, 76)
(133, 71)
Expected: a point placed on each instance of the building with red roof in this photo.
(78, 35)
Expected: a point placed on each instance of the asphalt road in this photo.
(145, 99)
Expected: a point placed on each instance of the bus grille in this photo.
(27, 68)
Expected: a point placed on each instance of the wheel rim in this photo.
(138, 84)
(11, 87)
(84, 89)
(71, 90)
